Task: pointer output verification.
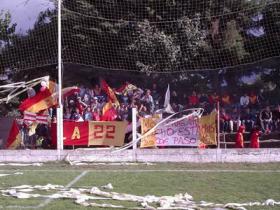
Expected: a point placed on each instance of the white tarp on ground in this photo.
(85, 197)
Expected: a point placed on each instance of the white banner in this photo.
(181, 133)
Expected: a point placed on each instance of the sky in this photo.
(25, 12)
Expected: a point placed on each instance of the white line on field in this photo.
(47, 201)
(151, 170)
(67, 186)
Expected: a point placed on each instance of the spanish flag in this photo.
(108, 90)
(109, 113)
(41, 101)
(106, 107)
(125, 89)
(14, 139)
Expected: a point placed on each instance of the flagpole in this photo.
(59, 113)
(134, 132)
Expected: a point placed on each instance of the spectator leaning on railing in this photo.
(235, 121)
(248, 118)
(266, 119)
(276, 118)
(224, 120)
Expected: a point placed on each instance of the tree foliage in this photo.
(36, 48)
(7, 32)
(151, 35)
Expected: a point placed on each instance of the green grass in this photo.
(220, 187)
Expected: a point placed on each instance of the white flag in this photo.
(167, 106)
(167, 97)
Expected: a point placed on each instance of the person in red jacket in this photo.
(239, 139)
(254, 138)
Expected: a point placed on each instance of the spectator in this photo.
(76, 116)
(262, 97)
(183, 100)
(67, 114)
(81, 106)
(97, 91)
(125, 99)
(235, 100)
(224, 120)
(193, 100)
(143, 111)
(255, 138)
(96, 114)
(123, 112)
(214, 98)
(203, 100)
(82, 91)
(174, 98)
(248, 119)
(244, 100)
(88, 115)
(148, 100)
(235, 121)
(156, 96)
(239, 139)
(175, 107)
(225, 100)
(137, 93)
(87, 99)
(253, 100)
(276, 118)
(266, 119)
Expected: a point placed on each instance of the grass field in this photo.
(219, 183)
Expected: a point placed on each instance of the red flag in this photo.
(109, 115)
(69, 91)
(122, 88)
(41, 101)
(14, 139)
(125, 89)
(108, 90)
(106, 107)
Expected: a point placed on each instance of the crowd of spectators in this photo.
(249, 109)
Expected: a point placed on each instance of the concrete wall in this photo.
(145, 155)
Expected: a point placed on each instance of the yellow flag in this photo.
(207, 129)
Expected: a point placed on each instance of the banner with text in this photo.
(107, 133)
(146, 125)
(182, 133)
(91, 133)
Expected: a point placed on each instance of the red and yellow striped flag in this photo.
(108, 90)
(41, 101)
(14, 139)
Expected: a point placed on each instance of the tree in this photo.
(36, 48)
(151, 46)
(7, 32)
(150, 35)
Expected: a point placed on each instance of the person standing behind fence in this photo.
(224, 121)
(253, 100)
(244, 100)
(266, 119)
(255, 138)
(193, 100)
(276, 118)
(148, 100)
(235, 121)
(239, 139)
